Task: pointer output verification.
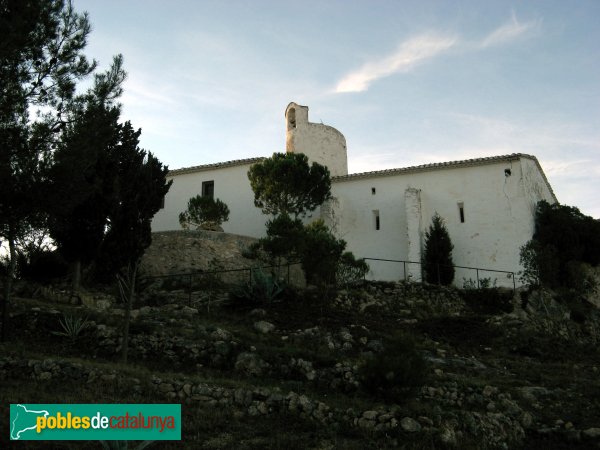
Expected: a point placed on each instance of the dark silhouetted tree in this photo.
(140, 186)
(82, 185)
(563, 238)
(41, 60)
(320, 253)
(437, 257)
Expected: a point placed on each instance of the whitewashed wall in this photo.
(497, 208)
(534, 184)
(231, 186)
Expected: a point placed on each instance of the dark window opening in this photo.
(292, 118)
(208, 189)
(373, 191)
(461, 212)
(507, 172)
(377, 221)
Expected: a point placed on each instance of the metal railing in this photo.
(222, 279)
(477, 270)
(217, 278)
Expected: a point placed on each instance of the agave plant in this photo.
(72, 326)
(262, 288)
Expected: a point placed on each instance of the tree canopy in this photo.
(563, 238)
(204, 212)
(41, 60)
(140, 185)
(66, 161)
(82, 183)
(286, 184)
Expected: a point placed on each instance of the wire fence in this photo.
(206, 285)
(481, 280)
(211, 282)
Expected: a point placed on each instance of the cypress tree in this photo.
(437, 258)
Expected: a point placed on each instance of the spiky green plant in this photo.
(262, 288)
(72, 326)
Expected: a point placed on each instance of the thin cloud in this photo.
(411, 53)
(510, 31)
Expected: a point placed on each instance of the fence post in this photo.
(190, 291)
(514, 283)
(404, 265)
(477, 270)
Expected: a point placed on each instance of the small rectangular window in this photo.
(208, 189)
(376, 219)
(373, 191)
(461, 212)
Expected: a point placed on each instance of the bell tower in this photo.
(321, 143)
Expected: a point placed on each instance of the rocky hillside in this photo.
(291, 373)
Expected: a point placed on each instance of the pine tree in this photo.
(204, 213)
(286, 184)
(41, 60)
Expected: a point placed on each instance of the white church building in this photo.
(488, 204)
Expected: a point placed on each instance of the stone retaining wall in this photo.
(182, 251)
(173, 252)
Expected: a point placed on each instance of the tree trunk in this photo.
(128, 289)
(9, 281)
(76, 275)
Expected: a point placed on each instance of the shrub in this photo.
(320, 253)
(262, 288)
(395, 374)
(350, 269)
(487, 299)
(580, 278)
(204, 212)
(284, 237)
(437, 257)
(540, 264)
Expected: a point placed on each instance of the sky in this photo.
(406, 82)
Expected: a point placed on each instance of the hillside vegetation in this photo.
(378, 365)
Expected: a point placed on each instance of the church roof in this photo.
(446, 165)
(219, 165)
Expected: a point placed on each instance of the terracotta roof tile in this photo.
(445, 165)
(235, 162)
